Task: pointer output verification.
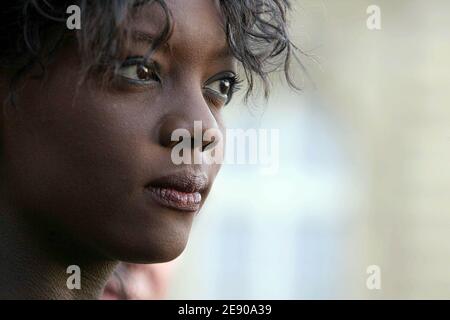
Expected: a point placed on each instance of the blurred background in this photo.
(363, 173)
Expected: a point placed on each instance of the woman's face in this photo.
(95, 162)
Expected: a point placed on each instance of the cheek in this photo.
(72, 141)
(81, 164)
(64, 143)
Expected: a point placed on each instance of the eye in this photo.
(135, 70)
(222, 86)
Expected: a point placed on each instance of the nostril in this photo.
(173, 143)
(209, 145)
(166, 130)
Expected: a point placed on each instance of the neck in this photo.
(34, 261)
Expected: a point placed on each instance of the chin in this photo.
(151, 253)
(147, 244)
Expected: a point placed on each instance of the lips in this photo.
(181, 192)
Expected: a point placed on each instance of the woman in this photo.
(85, 155)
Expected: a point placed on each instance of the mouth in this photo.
(182, 192)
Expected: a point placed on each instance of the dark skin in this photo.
(75, 162)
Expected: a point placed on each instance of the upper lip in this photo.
(184, 181)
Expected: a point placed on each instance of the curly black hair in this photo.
(32, 30)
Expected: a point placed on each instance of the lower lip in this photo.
(175, 199)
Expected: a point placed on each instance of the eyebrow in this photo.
(148, 39)
(141, 36)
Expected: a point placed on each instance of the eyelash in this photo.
(236, 84)
(215, 98)
(234, 81)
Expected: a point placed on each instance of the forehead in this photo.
(197, 27)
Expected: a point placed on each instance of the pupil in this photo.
(142, 72)
(224, 86)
